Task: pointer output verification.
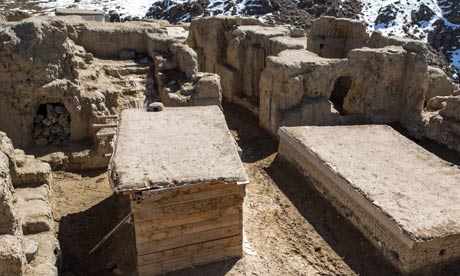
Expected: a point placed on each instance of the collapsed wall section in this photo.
(27, 236)
(236, 49)
(376, 85)
(332, 37)
(63, 80)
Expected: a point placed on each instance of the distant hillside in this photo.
(436, 22)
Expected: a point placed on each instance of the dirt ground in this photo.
(289, 228)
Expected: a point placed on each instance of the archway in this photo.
(340, 91)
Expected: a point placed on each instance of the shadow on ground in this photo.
(80, 232)
(435, 148)
(256, 143)
(213, 269)
(343, 237)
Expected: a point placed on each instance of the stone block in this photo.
(12, 261)
(34, 209)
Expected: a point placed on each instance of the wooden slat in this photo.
(105, 134)
(186, 189)
(191, 194)
(104, 117)
(186, 229)
(104, 125)
(190, 239)
(207, 257)
(189, 250)
(143, 212)
(153, 225)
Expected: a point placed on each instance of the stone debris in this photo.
(28, 241)
(30, 248)
(34, 209)
(12, 259)
(51, 125)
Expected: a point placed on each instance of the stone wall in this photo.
(266, 69)
(85, 68)
(386, 85)
(332, 37)
(443, 124)
(27, 236)
(236, 49)
(9, 223)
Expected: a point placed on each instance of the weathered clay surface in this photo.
(55, 88)
(333, 38)
(25, 169)
(300, 80)
(236, 50)
(9, 222)
(207, 155)
(383, 183)
(25, 215)
(443, 125)
(12, 259)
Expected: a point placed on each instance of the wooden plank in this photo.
(189, 250)
(153, 225)
(186, 229)
(105, 134)
(142, 212)
(177, 196)
(104, 125)
(193, 260)
(186, 189)
(104, 117)
(190, 239)
(189, 193)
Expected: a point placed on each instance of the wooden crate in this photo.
(186, 181)
(187, 226)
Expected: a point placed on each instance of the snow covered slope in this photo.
(436, 22)
(421, 19)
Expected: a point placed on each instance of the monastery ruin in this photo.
(146, 102)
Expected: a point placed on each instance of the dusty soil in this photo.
(290, 229)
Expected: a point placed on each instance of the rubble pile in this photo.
(51, 125)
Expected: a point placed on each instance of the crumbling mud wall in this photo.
(443, 123)
(344, 76)
(236, 49)
(27, 235)
(62, 79)
(382, 85)
(332, 37)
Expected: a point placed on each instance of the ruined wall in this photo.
(12, 259)
(236, 49)
(27, 236)
(332, 37)
(108, 40)
(9, 223)
(90, 70)
(443, 124)
(385, 85)
(344, 77)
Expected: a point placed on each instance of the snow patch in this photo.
(399, 19)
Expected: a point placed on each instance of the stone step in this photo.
(34, 209)
(12, 261)
(47, 257)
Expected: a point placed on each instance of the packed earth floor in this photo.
(289, 228)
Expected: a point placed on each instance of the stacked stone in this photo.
(54, 127)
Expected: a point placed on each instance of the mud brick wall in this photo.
(8, 218)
